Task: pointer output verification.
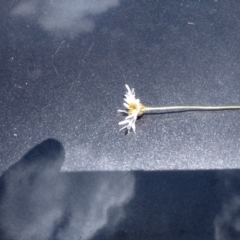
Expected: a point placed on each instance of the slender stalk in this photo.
(190, 108)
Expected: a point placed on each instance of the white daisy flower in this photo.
(134, 110)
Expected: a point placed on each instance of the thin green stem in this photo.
(190, 108)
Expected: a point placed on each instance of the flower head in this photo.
(134, 110)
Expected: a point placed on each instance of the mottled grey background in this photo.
(64, 66)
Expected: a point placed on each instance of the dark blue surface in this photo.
(63, 67)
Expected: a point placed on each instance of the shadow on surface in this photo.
(37, 201)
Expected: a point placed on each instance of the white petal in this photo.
(131, 122)
(130, 116)
(122, 128)
(123, 122)
(128, 88)
(127, 100)
(135, 114)
(122, 111)
(134, 128)
(130, 99)
(126, 105)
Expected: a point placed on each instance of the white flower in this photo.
(134, 110)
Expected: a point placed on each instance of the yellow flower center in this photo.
(139, 108)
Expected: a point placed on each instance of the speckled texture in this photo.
(65, 80)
